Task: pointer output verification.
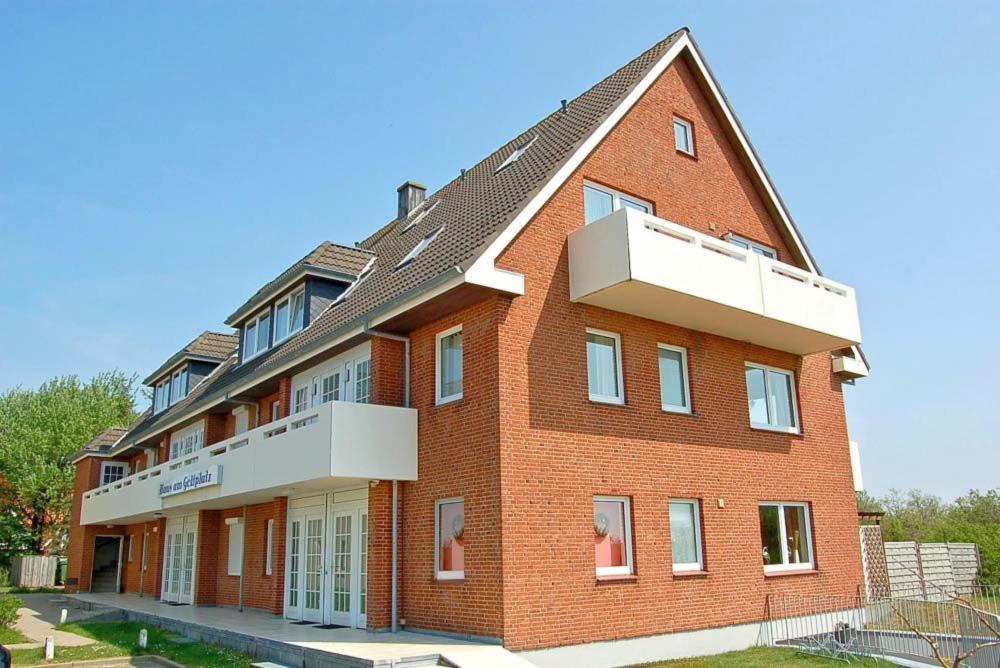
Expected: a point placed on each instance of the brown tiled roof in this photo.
(470, 211)
(206, 346)
(328, 257)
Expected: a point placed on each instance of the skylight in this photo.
(419, 217)
(424, 243)
(518, 152)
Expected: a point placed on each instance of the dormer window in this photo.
(170, 390)
(289, 315)
(257, 335)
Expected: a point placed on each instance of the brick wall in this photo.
(558, 449)
(80, 550)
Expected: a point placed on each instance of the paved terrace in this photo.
(269, 637)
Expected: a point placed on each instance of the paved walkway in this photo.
(354, 643)
(39, 617)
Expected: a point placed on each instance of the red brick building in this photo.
(590, 390)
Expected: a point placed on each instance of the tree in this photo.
(40, 430)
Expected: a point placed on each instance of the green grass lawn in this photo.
(763, 657)
(11, 637)
(31, 590)
(121, 639)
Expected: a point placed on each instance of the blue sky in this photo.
(159, 161)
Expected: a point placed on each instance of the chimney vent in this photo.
(411, 194)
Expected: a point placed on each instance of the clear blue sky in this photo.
(160, 161)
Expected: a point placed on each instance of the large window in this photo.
(785, 536)
(604, 367)
(771, 395)
(187, 441)
(363, 381)
(113, 472)
(448, 368)
(684, 135)
(257, 335)
(449, 536)
(289, 315)
(674, 390)
(600, 201)
(685, 535)
(170, 390)
(760, 249)
(612, 535)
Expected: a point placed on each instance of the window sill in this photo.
(776, 430)
(681, 575)
(789, 573)
(690, 156)
(607, 402)
(444, 401)
(608, 579)
(674, 411)
(445, 580)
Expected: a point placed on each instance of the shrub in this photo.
(9, 606)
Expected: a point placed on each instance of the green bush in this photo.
(4, 576)
(9, 606)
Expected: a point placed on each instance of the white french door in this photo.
(305, 577)
(179, 554)
(349, 567)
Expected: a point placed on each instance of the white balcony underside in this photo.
(635, 263)
(336, 444)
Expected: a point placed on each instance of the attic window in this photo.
(518, 152)
(424, 243)
(419, 217)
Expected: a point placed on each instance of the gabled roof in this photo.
(478, 214)
(102, 443)
(327, 259)
(206, 347)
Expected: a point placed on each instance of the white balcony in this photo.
(336, 443)
(636, 263)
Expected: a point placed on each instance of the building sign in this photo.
(205, 477)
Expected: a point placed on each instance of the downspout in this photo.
(142, 561)
(243, 557)
(395, 483)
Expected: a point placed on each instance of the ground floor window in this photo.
(785, 536)
(449, 532)
(685, 535)
(612, 535)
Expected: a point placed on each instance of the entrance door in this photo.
(179, 560)
(349, 523)
(107, 564)
(304, 580)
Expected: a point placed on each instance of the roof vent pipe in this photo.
(410, 195)
(564, 105)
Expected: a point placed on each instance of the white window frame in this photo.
(296, 406)
(688, 132)
(178, 440)
(685, 378)
(104, 469)
(796, 427)
(438, 573)
(438, 397)
(234, 559)
(419, 248)
(269, 548)
(161, 395)
(629, 567)
(616, 199)
(515, 154)
(275, 411)
(783, 536)
(290, 301)
(700, 564)
(600, 398)
(255, 323)
(359, 364)
(753, 246)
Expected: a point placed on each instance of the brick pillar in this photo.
(157, 539)
(285, 395)
(278, 563)
(215, 428)
(80, 548)
(164, 453)
(380, 557)
(207, 569)
(388, 363)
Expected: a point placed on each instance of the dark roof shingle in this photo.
(209, 346)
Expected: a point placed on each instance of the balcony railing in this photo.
(636, 263)
(314, 449)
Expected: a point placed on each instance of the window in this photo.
(599, 201)
(161, 395)
(604, 367)
(416, 250)
(760, 249)
(329, 389)
(186, 442)
(184, 383)
(275, 411)
(785, 536)
(242, 416)
(612, 535)
(112, 472)
(449, 539)
(289, 315)
(517, 153)
(257, 335)
(684, 135)
(771, 393)
(675, 395)
(448, 367)
(235, 561)
(685, 535)
(363, 381)
(269, 548)
(301, 399)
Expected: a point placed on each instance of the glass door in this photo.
(180, 542)
(304, 577)
(349, 552)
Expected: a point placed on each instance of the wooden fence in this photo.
(33, 571)
(931, 569)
